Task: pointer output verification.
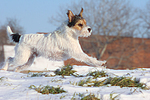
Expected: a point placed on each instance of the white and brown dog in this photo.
(60, 45)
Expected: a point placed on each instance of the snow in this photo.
(15, 86)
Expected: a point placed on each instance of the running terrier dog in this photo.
(60, 45)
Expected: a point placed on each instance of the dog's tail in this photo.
(13, 37)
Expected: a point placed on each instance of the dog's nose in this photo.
(89, 29)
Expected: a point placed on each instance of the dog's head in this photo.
(78, 24)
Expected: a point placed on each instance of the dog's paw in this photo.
(103, 62)
(4, 67)
(17, 69)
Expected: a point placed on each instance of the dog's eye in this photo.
(80, 25)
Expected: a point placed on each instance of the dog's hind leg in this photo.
(5, 65)
(22, 55)
(26, 65)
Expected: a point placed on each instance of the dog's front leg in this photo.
(88, 60)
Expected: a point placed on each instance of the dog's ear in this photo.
(80, 14)
(70, 15)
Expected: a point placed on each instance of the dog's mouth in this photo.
(85, 32)
(85, 35)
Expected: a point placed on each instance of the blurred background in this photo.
(121, 28)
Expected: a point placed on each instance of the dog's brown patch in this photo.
(80, 24)
(73, 19)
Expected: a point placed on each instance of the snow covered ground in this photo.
(15, 86)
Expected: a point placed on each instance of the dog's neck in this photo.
(66, 31)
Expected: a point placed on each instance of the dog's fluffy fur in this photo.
(60, 45)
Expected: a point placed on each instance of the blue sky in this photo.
(33, 15)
